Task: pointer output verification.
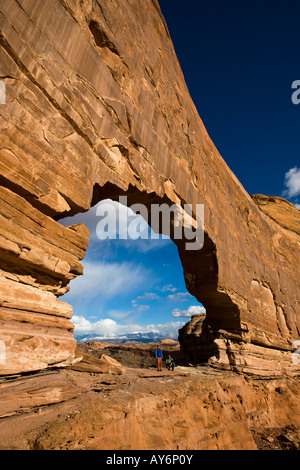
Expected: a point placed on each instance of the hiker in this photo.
(159, 356)
(170, 363)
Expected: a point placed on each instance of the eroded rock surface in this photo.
(280, 210)
(194, 408)
(96, 107)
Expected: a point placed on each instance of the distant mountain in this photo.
(149, 337)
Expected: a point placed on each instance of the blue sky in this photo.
(128, 286)
(239, 60)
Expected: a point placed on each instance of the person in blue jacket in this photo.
(159, 357)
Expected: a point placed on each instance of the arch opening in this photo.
(216, 313)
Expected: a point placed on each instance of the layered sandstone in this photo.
(92, 111)
(188, 409)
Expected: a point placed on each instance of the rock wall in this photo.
(97, 107)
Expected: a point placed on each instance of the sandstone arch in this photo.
(200, 267)
(90, 103)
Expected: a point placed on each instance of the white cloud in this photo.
(122, 223)
(292, 182)
(167, 288)
(148, 296)
(141, 308)
(104, 327)
(108, 328)
(107, 279)
(179, 297)
(298, 206)
(192, 310)
(120, 315)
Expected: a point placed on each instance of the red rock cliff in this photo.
(97, 106)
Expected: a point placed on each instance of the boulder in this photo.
(103, 365)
